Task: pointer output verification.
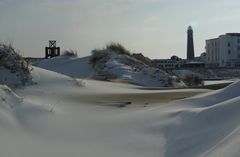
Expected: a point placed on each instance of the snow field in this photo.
(55, 117)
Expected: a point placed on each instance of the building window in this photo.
(238, 55)
(229, 44)
(238, 48)
(238, 40)
(229, 52)
(237, 64)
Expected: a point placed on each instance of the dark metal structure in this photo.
(190, 46)
(52, 50)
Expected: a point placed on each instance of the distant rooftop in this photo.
(233, 34)
(212, 39)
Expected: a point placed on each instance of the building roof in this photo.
(212, 39)
(231, 34)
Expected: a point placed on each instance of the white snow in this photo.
(117, 68)
(212, 82)
(210, 128)
(71, 66)
(61, 116)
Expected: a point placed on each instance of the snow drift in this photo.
(57, 117)
(113, 63)
(110, 64)
(68, 65)
(206, 125)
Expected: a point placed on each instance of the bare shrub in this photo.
(118, 48)
(145, 60)
(70, 53)
(3, 80)
(98, 58)
(109, 76)
(11, 59)
(193, 80)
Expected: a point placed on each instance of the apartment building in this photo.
(223, 51)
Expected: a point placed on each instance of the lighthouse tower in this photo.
(190, 46)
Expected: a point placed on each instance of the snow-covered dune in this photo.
(210, 128)
(60, 116)
(71, 66)
(112, 66)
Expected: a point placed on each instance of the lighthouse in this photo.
(190, 46)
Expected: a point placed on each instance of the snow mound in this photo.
(211, 129)
(8, 96)
(110, 64)
(8, 101)
(68, 65)
(57, 118)
(214, 97)
(14, 70)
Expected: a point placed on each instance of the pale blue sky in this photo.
(156, 28)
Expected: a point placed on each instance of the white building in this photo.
(173, 63)
(223, 51)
